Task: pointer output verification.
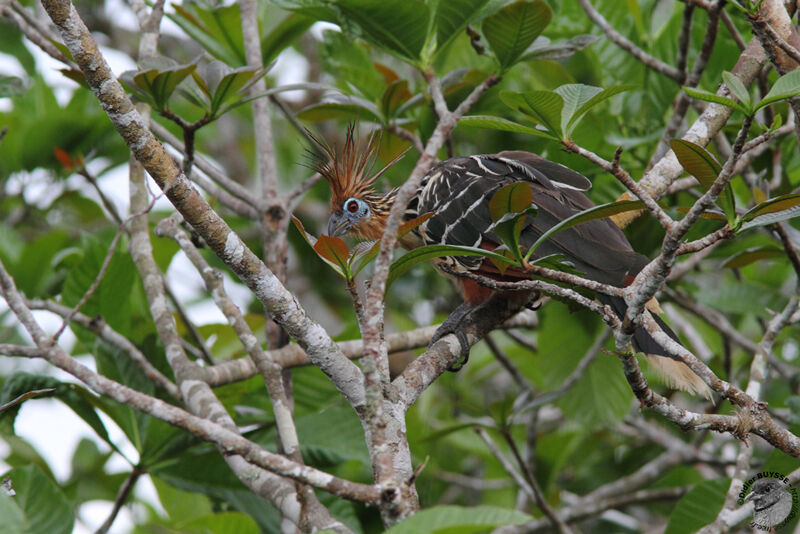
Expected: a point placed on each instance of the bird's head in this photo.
(356, 208)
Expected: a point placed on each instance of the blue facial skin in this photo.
(341, 221)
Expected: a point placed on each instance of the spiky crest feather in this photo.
(347, 171)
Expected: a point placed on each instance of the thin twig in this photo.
(541, 502)
(122, 496)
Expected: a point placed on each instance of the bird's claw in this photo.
(452, 325)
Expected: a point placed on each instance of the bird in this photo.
(457, 193)
(771, 502)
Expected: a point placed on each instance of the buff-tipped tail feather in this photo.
(678, 375)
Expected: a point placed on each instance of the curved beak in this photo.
(338, 224)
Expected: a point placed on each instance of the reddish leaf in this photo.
(335, 252)
(63, 158)
(413, 223)
(310, 239)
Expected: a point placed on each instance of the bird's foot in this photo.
(453, 325)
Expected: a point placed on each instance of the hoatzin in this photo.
(457, 191)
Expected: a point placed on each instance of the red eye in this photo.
(352, 206)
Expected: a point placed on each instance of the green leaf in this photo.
(510, 199)
(601, 398)
(334, 252)
(596, 99)
(13, 517)
(44, 507)
(157, 84)
(220, 84)
(597, 212)
(509, 207)
(575, 95)
(222, 523)
(372, 252)
(701, 164)
(72, 395)
(217, 29)
(283, 35)
(419, 255)
(461, 519)
(23, 397)
(697, 161)
(787, 86)
(399, 26)
(543, 107)
(499, 123)
(393, 97)
(708, 96)
(332, 436)
(452, 17)
(513, 29)
(774, 210)
(746, 257)
(111, 299)
(698, 507)
(341, 107)
(738, 90)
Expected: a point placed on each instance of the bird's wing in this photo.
(459, 190)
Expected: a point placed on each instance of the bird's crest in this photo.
(348, 170)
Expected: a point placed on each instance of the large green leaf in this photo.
(513, 198)
(585, 105)
(350, 59)
(156, 85)
(338, 107)
(787, 86)
(543, 107)
(419, 255)
(698, 507)
(217, 29)
(499, 123)
(220, 84)
(746, 257)
(598, 212)
(13, 517)
(737, 88)
(509, 207)
(774, 210)
(708, 96)
(112, 298)
(221, 523)
(332, 436)
(513, 29)
(464, 520)
(40, 501)
(602, 396)
(702, 165)
(283, 35)
(371, 253)
(399, 26)
(35, 271)
(74, 396)
(574, 95)
(452, 17)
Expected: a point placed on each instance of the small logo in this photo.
(775, 501)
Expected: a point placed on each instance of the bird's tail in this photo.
(675, 373)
